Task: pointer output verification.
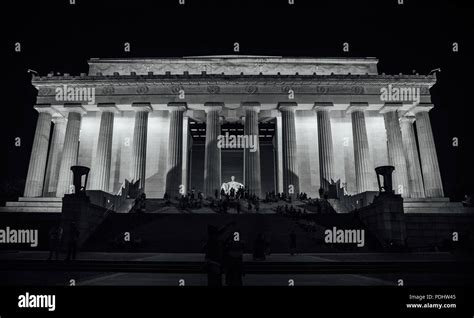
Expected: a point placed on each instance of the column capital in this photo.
(188, 113)
(407, 119)
(142, 107)
(319, 106)
(75, 108)
(107, 107)
(45, 108)
(213, 106)
(177, 106)
(357, 106)
(58, 118)
(423, 107)
(287, 106)
(251, 106)
(390, 107)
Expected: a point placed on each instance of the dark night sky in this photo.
(417, 35)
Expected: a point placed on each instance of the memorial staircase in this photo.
(40, 204)
(434, 205)
(166, 229)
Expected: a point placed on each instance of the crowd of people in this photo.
(305, 220)
(225, 203)
(191, 200)
(282, 196)
(240, 199)
(291, 211)
(221, 202)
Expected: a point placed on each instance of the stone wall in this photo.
(344, 165)
(121, 150)
(427, 230)
(157, 147)
(307, 152)
(385, 220)
(88, 139)
(253, 65)
(87, 217)
(358, 200)
(197, 167)
(267, 168)
(344, 168)
(157, 152)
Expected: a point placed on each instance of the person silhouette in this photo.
(214, 250)
(233, 260)
(72, 241)
(55, 237)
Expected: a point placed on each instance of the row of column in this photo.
(287, 163)
(64, 148)
(63, 154)
(410, 178)
(65, 144)
(212, 155)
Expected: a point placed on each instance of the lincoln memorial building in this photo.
(176, 124)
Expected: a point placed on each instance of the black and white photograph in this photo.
(224, 157)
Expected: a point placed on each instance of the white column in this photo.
(279, 144)
(100, 173)
(252, 158)
(54, 157)
(186, 156)
(39, 153)
(415, 178)
(363, 167)
(396, 154)
(429, 159)
(175, 150)
(70, 150)
(139, 143)
(326, 152)
(212, 157)
(291, 182)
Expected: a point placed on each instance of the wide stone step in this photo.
(425, 199)
(447, 210)
(432, 204)
(53, 204)
(30, 209)
(40, 199)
